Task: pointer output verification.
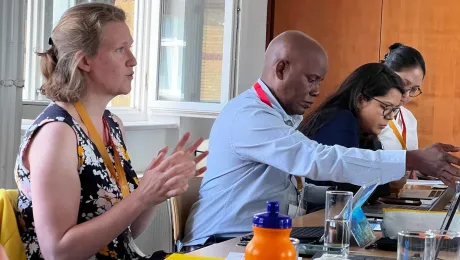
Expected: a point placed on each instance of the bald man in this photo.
(255, 148)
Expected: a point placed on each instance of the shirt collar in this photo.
(292, 120)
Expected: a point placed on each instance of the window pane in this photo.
(38, 26)
(128, 7)
(192, 38)
(25, 94)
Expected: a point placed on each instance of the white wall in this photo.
(251, 43)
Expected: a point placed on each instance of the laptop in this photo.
(391, 244)
(454, 197)
(420, 189)
(310, 238)
(309, 234)
(376, 211)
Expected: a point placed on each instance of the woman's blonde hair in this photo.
(79, 29)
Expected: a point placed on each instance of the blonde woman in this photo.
(79, 196)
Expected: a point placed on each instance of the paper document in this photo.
(424, 182)
(235, 256)
(429, 202)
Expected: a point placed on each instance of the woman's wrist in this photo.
(139, 201)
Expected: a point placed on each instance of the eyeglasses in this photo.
(389, 111)
(414, 91)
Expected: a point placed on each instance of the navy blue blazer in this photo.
(343, 130)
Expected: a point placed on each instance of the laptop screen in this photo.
(364, 193)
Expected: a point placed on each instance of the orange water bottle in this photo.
(271, 236)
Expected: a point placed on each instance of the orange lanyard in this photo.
(401, 138)
(120, 177)
(263, 97)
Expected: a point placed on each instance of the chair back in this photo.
(180, 207)
(13, 196)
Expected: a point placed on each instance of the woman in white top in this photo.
(408, 63)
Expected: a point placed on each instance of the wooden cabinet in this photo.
(432, 27)
(355, 32)
(349, 30)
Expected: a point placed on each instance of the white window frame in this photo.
(198, 109)
(38, 15)
(146, 49)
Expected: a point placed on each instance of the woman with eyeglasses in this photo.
(354, 116)
(401, 132)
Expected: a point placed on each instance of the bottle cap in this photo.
(272, 218)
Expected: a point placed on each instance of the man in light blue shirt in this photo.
(254, 148)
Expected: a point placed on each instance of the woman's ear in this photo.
(83, 63)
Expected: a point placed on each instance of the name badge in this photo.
(293, 208)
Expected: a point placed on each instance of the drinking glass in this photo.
(295, 242)
(337, 223)
(414, 245)
(447, 244)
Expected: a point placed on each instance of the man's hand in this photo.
(435, 161)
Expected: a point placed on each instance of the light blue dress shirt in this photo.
(253, 150)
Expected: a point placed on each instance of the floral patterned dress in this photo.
(99, 192)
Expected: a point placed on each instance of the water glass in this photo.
(447, 244)
(337, 223)
(414, 245)
(295, 242)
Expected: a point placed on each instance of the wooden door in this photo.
(349, 30)
(432, 27)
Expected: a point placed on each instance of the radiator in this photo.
(158, 235)
(12, 25)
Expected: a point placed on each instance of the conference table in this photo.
(310, 220)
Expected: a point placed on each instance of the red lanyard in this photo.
(264, 98)
(260, 92)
